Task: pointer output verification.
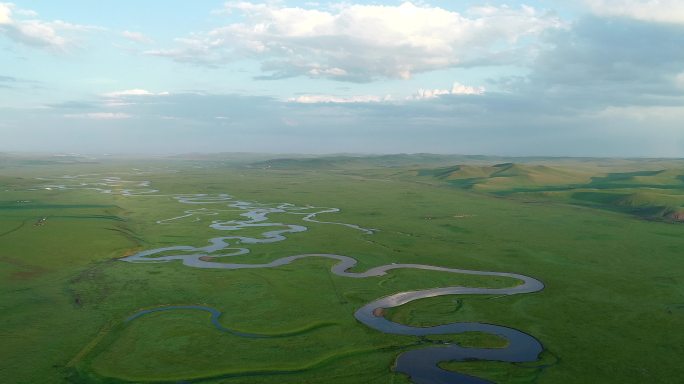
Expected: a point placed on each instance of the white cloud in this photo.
(128, 97)
(679, 80)
(323, 99)
(137, 37)
(460, 89)
(429, 94)
(359, 42)
(133, 92)
(667, 11)
(421, 94)
(5, 13)
(99, 116)
(55, 34)
(456, 89)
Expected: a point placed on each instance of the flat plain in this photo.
(605, 236)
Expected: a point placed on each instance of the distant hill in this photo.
(505, 176)
(614, 184)
(370, 161)
(26, 159)
(416, 160)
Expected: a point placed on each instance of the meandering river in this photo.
(421, 364)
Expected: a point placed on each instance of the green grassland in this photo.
(612, 310)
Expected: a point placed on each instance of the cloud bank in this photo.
(667, 11)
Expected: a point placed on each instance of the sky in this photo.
(536, 78)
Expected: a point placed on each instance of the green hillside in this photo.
(654, 192)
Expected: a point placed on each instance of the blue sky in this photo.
(545, 77)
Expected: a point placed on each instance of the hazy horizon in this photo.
(311, 155)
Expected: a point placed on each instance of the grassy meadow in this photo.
(604, 236)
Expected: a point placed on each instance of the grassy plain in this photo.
(611, 312)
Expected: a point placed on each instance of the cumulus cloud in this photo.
(137, 37)
(5, 13)
(57, 35)
(355, 42)
(667, 11)
(457, 89)
(99, 116)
